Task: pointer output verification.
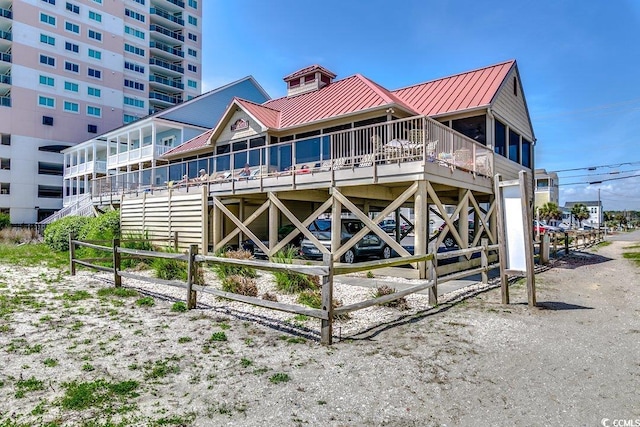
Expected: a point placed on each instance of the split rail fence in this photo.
(327, 270)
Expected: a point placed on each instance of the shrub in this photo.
(223, 271)
(5, 220)
(310, 298)
(56, 235)
(169, 269)
(240, 285)
(289, 281)
(179, 307)
(218, 336)
(103, 227)
(400, 303)
(145, 302)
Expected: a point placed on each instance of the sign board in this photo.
(514, 228)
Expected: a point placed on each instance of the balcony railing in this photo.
(177, 3)
(420, 143)
(165, 81)
(5, 57)
(5, 35)
(98, 166)
(6, 13)
(166, 48)
(166, 15)
(5, 101)
(167, 32)
(175, 99)
(137, 154)
(5, 79)
(164, 64)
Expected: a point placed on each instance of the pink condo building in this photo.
(72, 70)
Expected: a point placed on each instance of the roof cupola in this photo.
(308, 79)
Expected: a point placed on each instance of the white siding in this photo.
(511, 109)
(253, 129)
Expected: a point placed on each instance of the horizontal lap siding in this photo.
(162, 216)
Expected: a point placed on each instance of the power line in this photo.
(592, 168)
(602, 174)
(600, 181)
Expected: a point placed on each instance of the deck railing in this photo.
(415, 139)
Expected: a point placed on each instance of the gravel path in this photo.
(574, 360)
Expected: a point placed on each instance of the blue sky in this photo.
(578, 60)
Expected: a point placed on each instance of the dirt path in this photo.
(573, 361)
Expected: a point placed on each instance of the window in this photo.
(94, 111)
(133, 102)
(95, 54)
(133, 49)
(94, 91)
(526, 153)
(193, 20)
(193, 37)
(47, 121)
(193, 4)
(92, 72)
(139, 1)
(92, 34)
(70, 66)
(70, 26)
(5, 139)
(45, 101)
(192, 52)
(97, 1)
(5, 188)
(473, 127)
(134, 32)
(192, 84)
(70, 86)
(72, 107)
(47, 60)
(134, 67)
(92, 128)
(5, 164)
(133, 84)
(47, 81)
(47, 39)
(500, 146)
(46, 168)
(95, 16)
(134, 15)
(73, 8)
(47, 19)
(514, 146)
(128, 118)
(71, 47)
(49, 192)
(50, 1)
(192, 68)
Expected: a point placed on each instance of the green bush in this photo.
(138, 241)
(291, 282)
(223, 271)
(103, 227)
(56, 235)
(169, 269)
(310, 298)
(5, 220)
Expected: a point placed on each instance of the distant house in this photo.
(595, 213)
(546, 187)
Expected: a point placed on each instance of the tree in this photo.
(580, 212)
(550, 211)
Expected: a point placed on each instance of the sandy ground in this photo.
(574, 360)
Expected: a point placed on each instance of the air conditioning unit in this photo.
(48, 121)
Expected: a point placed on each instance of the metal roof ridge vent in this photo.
(308, 79)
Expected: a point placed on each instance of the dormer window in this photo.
(308, 79)
(294, 83)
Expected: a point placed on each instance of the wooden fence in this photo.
(326, 271)
(552, 243)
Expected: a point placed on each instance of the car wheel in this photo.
(449, 242)
(386, 252)
(349, 257)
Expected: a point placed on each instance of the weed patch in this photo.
(279, 378)
(28, 385)
(98, 394)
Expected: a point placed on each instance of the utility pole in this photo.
(599, 214)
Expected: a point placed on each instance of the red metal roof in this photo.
(307, 70)
(460, 92)
(265, 115)
(192, 144)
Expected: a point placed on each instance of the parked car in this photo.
(539, 226)
(389, 226)
(371, 245)
(249, 245)
(450, 241)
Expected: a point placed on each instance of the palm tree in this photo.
(550, 211)
(580, 213)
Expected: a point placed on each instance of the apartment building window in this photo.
(47, 120)
(192, 84)
(46, 168)
(5, 188)
(47, 19)
(134, 15)
(50, 1)
(193, 37)
(94, 111)
(193, 20)
(5, 164)
(192, 68)
(133, 84)
(139, 1)
(128, 118)
(45, 101)
(70, 66)
(133, 49)
(72, 47)
(92, 34)
(71, 107)
(48, 60)
(134, 67)
(134, 32)
(47, 81)
(73, 8)
(95, 16)
(192, 52)
(71, 87)
(47, 39)
(92, 128)
(92, 72)
(94, 91)
(49, 192)
(95, 54)
(5, 139)
(138, 103)
(193, 4)
(97, 1)
(71, 27)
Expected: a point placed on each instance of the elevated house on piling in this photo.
(341, 147)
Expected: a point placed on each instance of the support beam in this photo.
(421, 234)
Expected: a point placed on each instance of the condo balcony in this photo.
(167, 33)
(5, 79)
(165, 66)
(163, 81)
(6, 13)
(168, 18)
(164, 98)
(5, 57)
(5, 101)
(162, 49)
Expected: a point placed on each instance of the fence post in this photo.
(484, 260)
(555, 245)
(544, 249)
(433, 274)
(192, 275)
(326, 336)
(72, 255)
(117, 280)
(566, 244)
(175, 241)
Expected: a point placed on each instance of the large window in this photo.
(473, 127)
(526, 153)
(46, 168)
(49, 192)
(514, 146)
(500, 144)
